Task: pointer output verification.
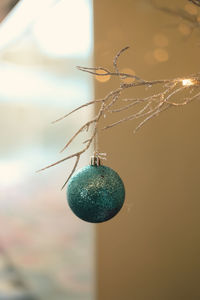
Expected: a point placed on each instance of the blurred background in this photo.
(45, 251)
(151, 249)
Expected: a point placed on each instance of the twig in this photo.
(73, 170)
(167, 95)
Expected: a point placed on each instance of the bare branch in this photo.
(76, 109)
(72, 172)
(94, 71)
(167, 93)
(154, 114)
(58, 162)
(115, 61)
(84, 127)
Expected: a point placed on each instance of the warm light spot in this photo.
(101, 78)
(160, 40)
(191, 9)
(198, 19)
(130, 72)
(161, 55)
(187, 82)
(184, 29)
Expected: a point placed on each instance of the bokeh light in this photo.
(191, 9)
(187, 82)
(101, 78)
(161, 55)
(184, 29)
(130, 72)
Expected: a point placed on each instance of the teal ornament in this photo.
(95, 193)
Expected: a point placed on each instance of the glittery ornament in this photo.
(95, 193)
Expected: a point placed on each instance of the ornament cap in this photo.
(95, 161)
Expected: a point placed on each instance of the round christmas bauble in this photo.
(95, 193)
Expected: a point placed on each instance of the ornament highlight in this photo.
(95, 193)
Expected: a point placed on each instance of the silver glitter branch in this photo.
(169, 93)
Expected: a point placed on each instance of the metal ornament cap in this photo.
(95, 193)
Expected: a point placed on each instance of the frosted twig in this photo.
(73, 170)
(76, 109)
(168, 94)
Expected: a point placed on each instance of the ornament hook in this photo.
(95, 161)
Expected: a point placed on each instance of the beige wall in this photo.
(151, 250)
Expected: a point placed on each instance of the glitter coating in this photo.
(95, 193)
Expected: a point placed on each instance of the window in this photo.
(43, 246)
